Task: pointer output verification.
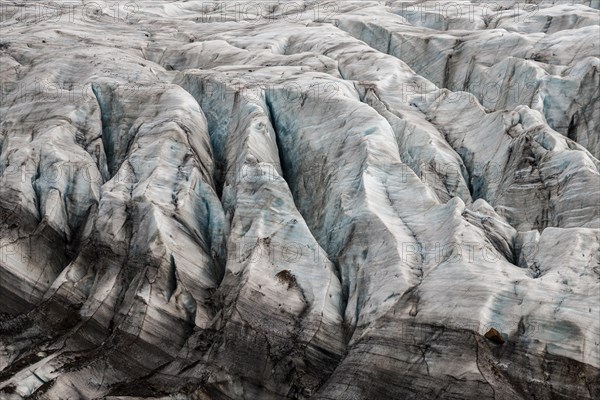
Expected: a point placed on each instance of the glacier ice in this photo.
(328, 200)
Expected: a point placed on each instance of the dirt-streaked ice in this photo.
(325, 200)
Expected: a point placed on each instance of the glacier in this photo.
(303, 199)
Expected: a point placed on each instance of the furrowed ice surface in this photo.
(326, 200)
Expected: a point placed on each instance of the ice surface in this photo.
(326, 200)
